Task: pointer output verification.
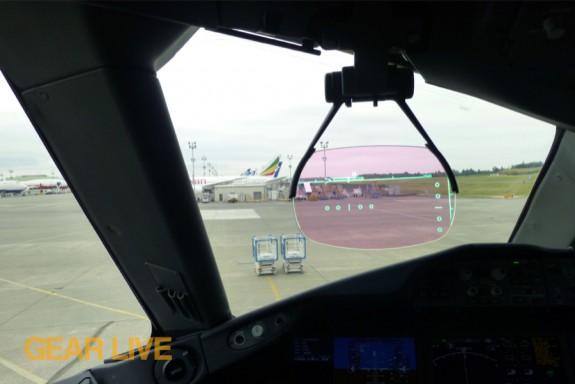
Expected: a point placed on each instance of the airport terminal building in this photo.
(244, 191)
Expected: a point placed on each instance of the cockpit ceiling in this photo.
(471, 48)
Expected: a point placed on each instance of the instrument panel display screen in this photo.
(374, 360)
(498, 360)
(466, 360)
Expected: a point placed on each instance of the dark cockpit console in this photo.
(475, 314)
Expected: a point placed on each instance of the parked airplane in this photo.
(270, 172)
(47, 185)
(12, 187)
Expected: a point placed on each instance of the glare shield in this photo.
(374, 197)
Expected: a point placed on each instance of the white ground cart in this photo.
(293, 248)
(265, 253)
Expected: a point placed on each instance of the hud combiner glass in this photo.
(373, 197)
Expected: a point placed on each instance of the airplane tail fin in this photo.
(273, 169)
(278, 170)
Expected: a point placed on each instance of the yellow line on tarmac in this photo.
(75, 300)
(274, 288)
(22, 372)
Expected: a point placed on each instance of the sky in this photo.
(243, 103)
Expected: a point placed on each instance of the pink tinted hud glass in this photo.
(374, 197)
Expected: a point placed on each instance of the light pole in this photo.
(204, 158)
(324, 146)
(192, 146)
(289, 158)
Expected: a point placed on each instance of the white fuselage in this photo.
(12, 187)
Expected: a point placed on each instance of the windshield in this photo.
(244, 114)
(237, 106)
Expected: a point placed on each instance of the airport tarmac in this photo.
(57, 280)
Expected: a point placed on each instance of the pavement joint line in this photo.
(32, 206)
(74, 299)
(21, 371)
(68, 234)
(274, 288)
(62, 371)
